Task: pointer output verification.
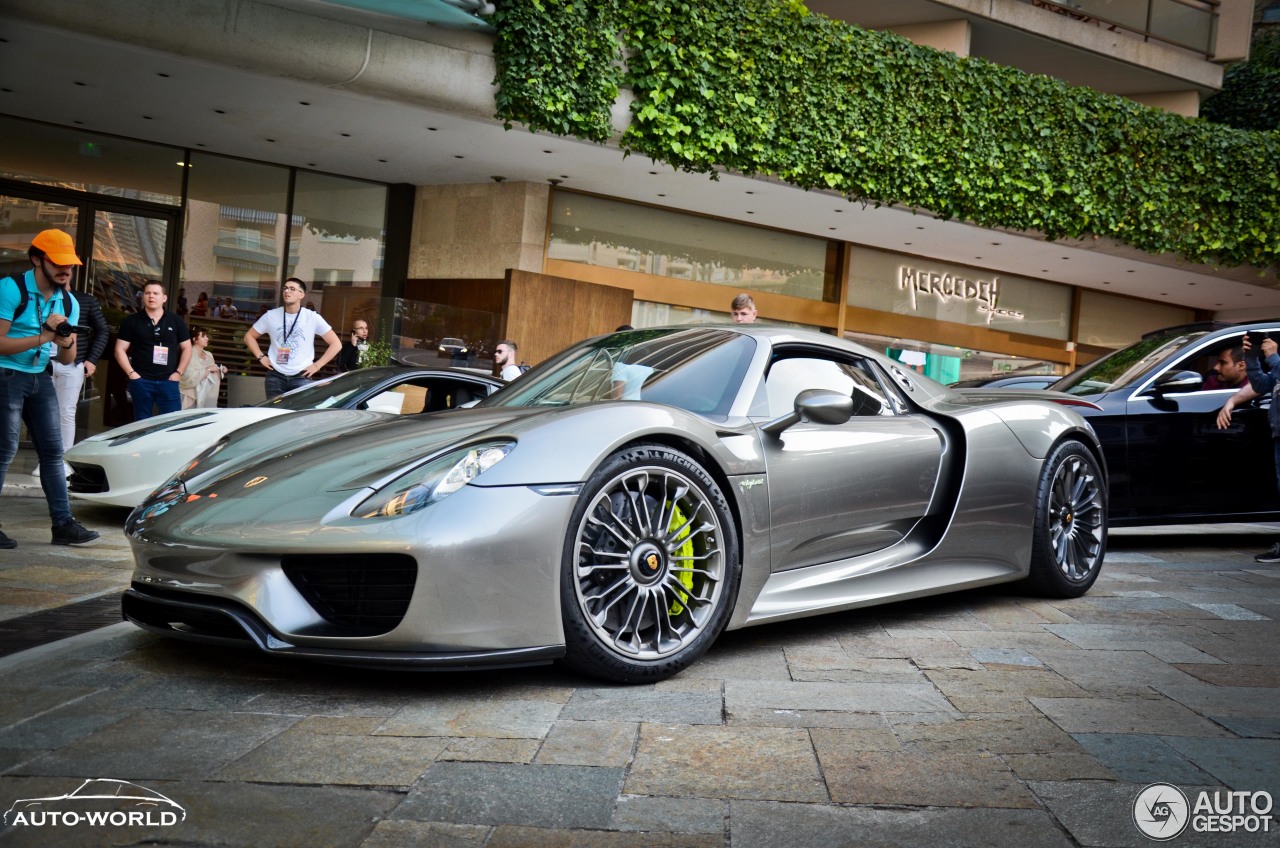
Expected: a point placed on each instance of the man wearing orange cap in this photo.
(31, 333)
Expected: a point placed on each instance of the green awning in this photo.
(441, 12)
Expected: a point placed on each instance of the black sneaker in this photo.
(72, 533)
(6, 542)
(1272, 554)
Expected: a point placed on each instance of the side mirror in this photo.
(1178, 381)
(819, 406)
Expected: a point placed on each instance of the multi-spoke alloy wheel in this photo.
(651, 567)
(1071, 523)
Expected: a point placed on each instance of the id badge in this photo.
(159, 356)
(282, 355)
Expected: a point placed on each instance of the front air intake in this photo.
(360, 594)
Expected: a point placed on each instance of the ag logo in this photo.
(1161, 811)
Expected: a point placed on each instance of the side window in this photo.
(788, 377)
(1221, 365)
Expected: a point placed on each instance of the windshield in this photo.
(1125, 365)
(696, 369)
(330, 393)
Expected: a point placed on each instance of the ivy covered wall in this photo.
(766, 87)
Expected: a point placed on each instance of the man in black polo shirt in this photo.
(153, 348)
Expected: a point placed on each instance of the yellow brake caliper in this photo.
(685, 550)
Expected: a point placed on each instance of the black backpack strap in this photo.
(23, 295)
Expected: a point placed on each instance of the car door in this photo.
(1180, 464)
(841, 490)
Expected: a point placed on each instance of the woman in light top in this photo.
(203, 377)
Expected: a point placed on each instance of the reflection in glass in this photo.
(231, 248)
(20, 221)
(128, 251)
(612, 234)
(83, 161)
(336, 235)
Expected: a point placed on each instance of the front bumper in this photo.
(225, 623)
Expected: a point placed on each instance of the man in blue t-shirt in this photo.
(31, 332)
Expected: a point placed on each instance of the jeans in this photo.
(164, 394)
(277, 384)
(31, 399)
(68, 381)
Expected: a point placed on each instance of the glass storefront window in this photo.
(20, 220)
(1108, 320)
(336, 235)
(232, 247)
(948, 364)
(648, 314)
(613, 234)
(89, 162)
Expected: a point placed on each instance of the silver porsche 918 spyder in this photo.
(619, 506)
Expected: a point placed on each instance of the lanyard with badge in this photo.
(159, 350)
(40, 349)
(282, 349)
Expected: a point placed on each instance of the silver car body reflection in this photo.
(635, 495)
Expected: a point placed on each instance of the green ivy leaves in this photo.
(765, 87)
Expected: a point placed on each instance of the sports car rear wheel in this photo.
(1071, 524)
(650, 567)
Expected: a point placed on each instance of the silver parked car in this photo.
(618, 507)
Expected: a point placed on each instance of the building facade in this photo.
(222, 145)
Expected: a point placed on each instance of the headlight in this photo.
(434, 481)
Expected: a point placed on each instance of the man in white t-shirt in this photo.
(504, 357)
(291, 358)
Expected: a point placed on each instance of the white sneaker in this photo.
(35, 472)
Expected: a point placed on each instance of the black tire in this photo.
(1071, 524)
(650, 570)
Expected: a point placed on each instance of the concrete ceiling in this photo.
(119, 89)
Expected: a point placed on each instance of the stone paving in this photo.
(977, 719)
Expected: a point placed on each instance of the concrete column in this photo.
(478, 230)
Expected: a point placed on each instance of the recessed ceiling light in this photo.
(751, 192)
(546, 151)
(995, 244)
(749, 212)
(919, 228)
(662, 195)
(1191, 284)
(655, 173)
(1130, 271)
(431, 129)
(839, 210)
(271, 141)
(345, 135)
(382, 160)
(220, 111)
(162, 74)
(459, 157)
(304, 102)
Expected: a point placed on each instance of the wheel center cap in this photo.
(648, 562)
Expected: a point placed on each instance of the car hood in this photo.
(187, 421)
(296, 469)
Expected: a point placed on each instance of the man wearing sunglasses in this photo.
(31, 334)
(290, 358)
(153, 347)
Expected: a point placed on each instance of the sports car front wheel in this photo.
(1071, 524)
(650, 567)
